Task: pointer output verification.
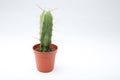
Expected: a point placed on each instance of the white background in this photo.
(87, 33)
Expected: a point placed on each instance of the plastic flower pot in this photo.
(45, 60)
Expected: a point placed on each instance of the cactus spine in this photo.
(46, 24)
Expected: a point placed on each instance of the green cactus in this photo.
(46, 24)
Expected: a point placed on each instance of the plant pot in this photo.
(45, 60)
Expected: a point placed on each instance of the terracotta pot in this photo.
(45, 60)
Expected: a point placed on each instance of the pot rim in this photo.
(38, 45)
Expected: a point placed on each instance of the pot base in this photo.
(45, 71)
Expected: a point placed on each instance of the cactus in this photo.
(46, 24)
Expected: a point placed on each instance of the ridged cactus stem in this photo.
(46, 24)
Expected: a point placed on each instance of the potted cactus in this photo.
(45, 51)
